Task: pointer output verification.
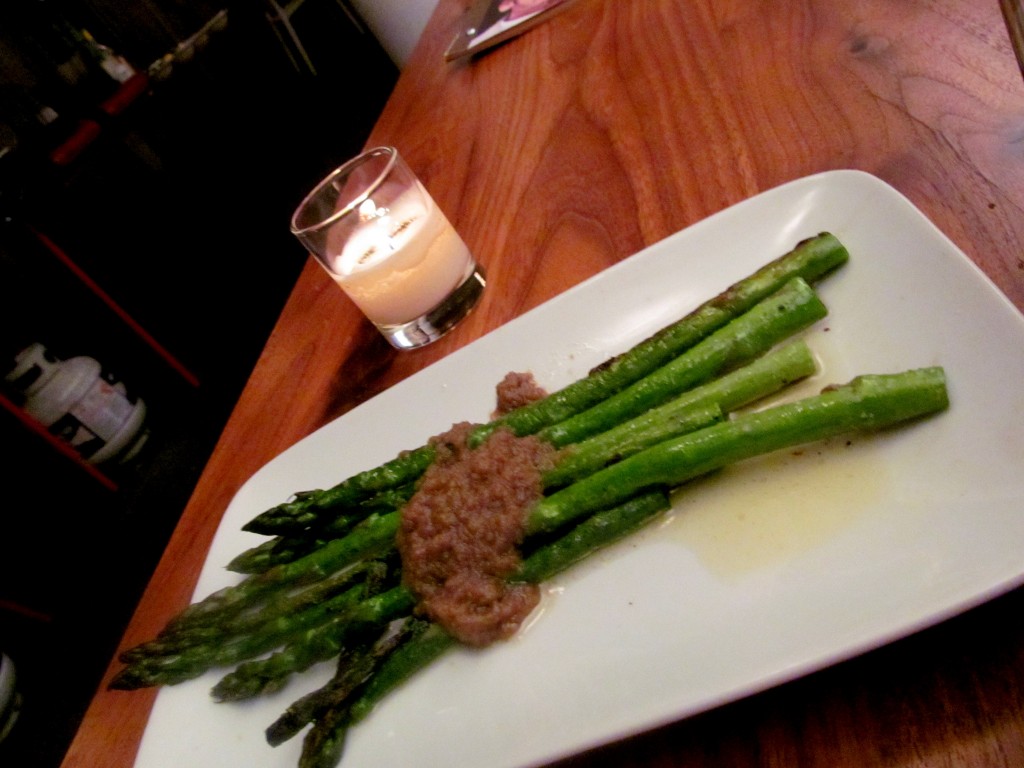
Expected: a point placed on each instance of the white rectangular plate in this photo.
(767, 572)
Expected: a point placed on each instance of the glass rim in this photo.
(354, 204)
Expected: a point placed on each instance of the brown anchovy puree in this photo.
(461, 531)
(517, 390)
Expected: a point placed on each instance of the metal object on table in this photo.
(1013, 12)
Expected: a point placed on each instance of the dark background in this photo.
(178, 209)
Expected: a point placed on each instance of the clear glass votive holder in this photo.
(376, 230)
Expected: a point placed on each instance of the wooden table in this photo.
(611, 126)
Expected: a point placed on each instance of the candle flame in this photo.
(368, 210)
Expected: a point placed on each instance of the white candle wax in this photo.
(402, 261)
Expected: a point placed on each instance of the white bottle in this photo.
(79, 402)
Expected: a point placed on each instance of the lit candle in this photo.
(402, 260)
(382, 238)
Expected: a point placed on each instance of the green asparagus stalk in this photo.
(866, 403)
(325, 641)
(325, 741)
(301, 513)
(287, 604)
(373, 535)
(792, 308)
(190, 662)
(173, 658)
(812, 259)
(355, 665)
(590, 536)
(766, 375)
(284, 549)
(274, 551)
(415, 655)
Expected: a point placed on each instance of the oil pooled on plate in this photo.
(759, 513)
